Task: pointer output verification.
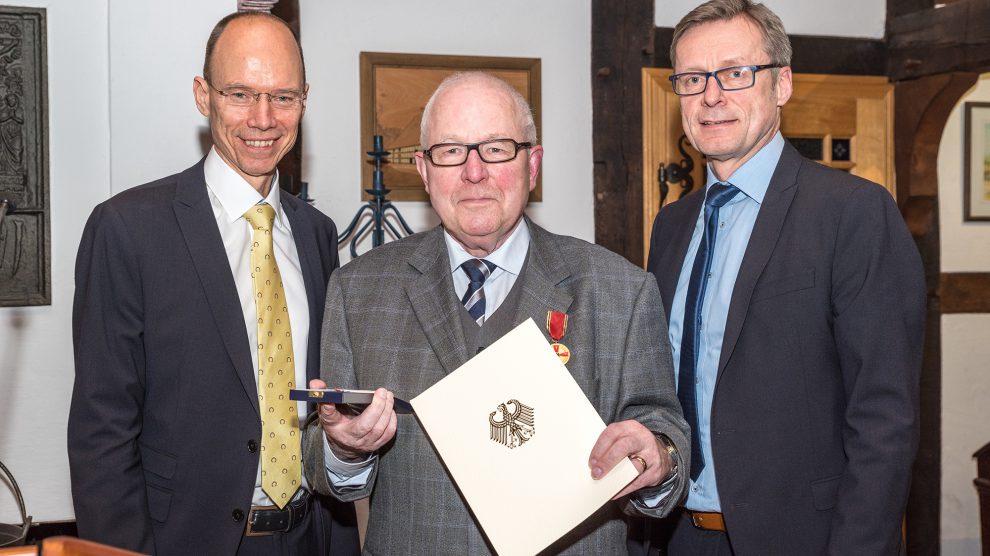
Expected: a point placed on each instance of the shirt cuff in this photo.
(652, 497)
(346, 475)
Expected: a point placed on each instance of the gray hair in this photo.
(523, 111)
(775, 41)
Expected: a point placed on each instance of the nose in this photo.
(261, 116)
(475, 170)
(713, 91)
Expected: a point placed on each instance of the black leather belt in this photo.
(267, 520)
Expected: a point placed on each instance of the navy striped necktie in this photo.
(718, 195)
(477, 270)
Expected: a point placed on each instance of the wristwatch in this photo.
(671, 449)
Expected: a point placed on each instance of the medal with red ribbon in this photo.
(557, 327)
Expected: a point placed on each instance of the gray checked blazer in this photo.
(392, 319)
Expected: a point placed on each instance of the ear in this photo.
(784, 85)
(535, 161)
(201, 92)
(421, 163)
(305, 93)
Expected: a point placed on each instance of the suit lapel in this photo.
(545, 270)
(310, 265)
(202, 237)
(671, 260)
(764, 238)
(432, 298)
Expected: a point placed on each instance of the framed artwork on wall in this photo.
(394, 91)
(976, 162)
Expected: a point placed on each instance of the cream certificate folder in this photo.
(522, 465)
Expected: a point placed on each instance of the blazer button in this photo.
(252, 446)
(237, 514)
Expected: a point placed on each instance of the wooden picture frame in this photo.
(976, 162)
(395, 89)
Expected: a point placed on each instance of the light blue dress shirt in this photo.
(736, 221)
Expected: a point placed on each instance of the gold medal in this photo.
(562, 352)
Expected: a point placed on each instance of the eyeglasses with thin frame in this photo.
(243, 97)
(734, 78)
(492, 151)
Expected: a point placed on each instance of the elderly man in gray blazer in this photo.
(402, 316)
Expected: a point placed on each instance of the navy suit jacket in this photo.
(164, 424)
(814, 421)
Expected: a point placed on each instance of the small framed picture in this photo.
(394, 91)
(976, 154)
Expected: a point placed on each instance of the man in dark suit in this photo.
(796, 302)
(175, 282)
(404, 315)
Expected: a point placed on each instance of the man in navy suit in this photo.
(796, 304)
(165, 432)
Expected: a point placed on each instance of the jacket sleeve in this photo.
(105, 415)
(648, 394)
(878, 304)
(337, 368)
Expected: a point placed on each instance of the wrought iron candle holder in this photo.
(378, 207)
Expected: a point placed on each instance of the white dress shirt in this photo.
(230, 197)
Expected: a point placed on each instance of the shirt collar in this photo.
(234, 193)
(753, 177)
(510, 256)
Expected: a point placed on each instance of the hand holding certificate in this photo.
(515, 431)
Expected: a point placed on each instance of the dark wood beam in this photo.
(812, 54)
(900, 7)
(921, 109)
(621, 45)
(964, 292)
(953, 37)
(290, 168)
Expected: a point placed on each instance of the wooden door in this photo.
(842, 121)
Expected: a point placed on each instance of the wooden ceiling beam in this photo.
(940, 39)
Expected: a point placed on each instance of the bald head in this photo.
(479, 80)
(265, 25)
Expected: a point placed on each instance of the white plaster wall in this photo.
(36, 342)
(841, 18)
(965, 245)
(156, 48)
(556, 31)
(965, 418)
(965, 381)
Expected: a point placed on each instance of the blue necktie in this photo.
(718, 195)
(478, 270)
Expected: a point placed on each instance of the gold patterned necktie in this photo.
(280, 446)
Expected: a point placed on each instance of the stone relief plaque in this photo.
(25, 257)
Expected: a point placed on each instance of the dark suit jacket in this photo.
(164, 425)
(393, 320)
(815, 415)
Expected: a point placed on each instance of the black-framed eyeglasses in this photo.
(728, 79)
(492, 151)
(241, 97)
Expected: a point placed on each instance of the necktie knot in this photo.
(719, 194)
(477, 270)
(261, 216)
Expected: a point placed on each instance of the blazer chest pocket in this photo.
(780, 285)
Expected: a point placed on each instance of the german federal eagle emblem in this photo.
(515, 427)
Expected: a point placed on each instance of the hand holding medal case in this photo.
(515, 431)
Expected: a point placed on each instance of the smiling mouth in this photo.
(716, 122)
(253, 143)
